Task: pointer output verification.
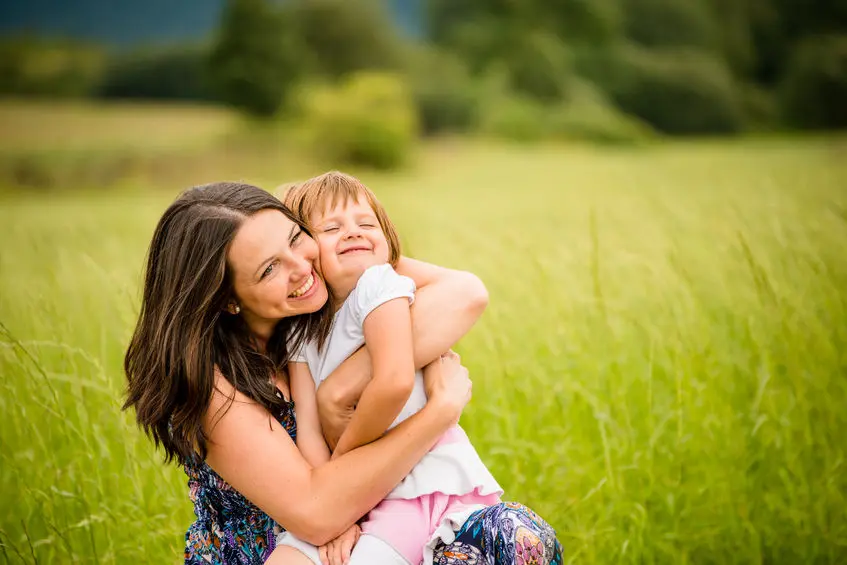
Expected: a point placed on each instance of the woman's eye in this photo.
(268, 270)
(296, 238)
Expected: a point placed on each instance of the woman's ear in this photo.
(233, 308)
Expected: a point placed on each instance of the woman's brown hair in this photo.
(184, 333)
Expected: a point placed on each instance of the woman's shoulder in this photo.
(228, 403)
(225, 398)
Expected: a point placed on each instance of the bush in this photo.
(178, 73)
(539, 66)
(445, 96)
(678, 92)
(670, 23)
(514, 117)
(49, 67)
(761, 111)
(51, 170)
(590, 116)
(813, 91)
(368, 119)
(586, 116)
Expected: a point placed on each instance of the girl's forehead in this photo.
(342, 204)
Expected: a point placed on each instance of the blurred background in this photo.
(653, 191)
(369, 78)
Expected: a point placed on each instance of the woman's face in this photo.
(275, 267)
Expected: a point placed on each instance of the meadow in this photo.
(661, 371)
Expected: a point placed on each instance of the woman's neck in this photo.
(261, 333)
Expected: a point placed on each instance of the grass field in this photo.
(661, 373)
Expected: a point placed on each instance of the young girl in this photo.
(358, 248)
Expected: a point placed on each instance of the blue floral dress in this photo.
(230, 530)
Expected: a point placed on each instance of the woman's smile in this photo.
(307, 289)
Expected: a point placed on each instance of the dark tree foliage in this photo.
(255, 61)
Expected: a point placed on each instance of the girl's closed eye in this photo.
(330, 228)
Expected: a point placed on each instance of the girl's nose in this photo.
(353, 231)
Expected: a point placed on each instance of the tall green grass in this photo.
(661, 373)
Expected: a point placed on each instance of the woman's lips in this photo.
(307, 289)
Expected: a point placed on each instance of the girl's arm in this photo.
(310, 440)
(447, 304)
(254, 454)
(388, 340)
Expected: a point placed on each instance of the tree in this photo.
(670, 23)
(176, 72)
(255, 61)
(814, 89)
(339, 36)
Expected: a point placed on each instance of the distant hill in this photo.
(126, 23)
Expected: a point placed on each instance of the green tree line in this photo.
(523, 69)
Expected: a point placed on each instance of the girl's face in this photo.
(275, 268)
(350, 240)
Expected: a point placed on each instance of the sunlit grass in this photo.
(661, 373)
(40, 126)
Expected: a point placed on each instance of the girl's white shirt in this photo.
(451, 468)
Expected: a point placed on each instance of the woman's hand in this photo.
(337, 552)
(447, 383)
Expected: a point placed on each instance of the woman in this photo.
(231, 287)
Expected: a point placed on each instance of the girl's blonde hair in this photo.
(326, 191)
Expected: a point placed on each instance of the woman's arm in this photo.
(254, 454)
(447, 305)
(310, 440)
(388, 340)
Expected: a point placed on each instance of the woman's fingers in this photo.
(322, 553)
(452, 355)
(446, 380)
(346, 548)
(335, 557)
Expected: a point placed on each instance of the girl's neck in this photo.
(338, 298)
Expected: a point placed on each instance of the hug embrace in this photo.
(298, 367)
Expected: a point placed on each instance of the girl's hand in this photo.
(337, 552)
(447, 383)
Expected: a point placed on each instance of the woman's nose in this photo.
(302, 259)
(302, 268)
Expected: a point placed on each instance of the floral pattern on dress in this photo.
(229, 529)
(508, 533)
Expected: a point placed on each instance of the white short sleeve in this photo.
(376, 286)
(299, 356)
